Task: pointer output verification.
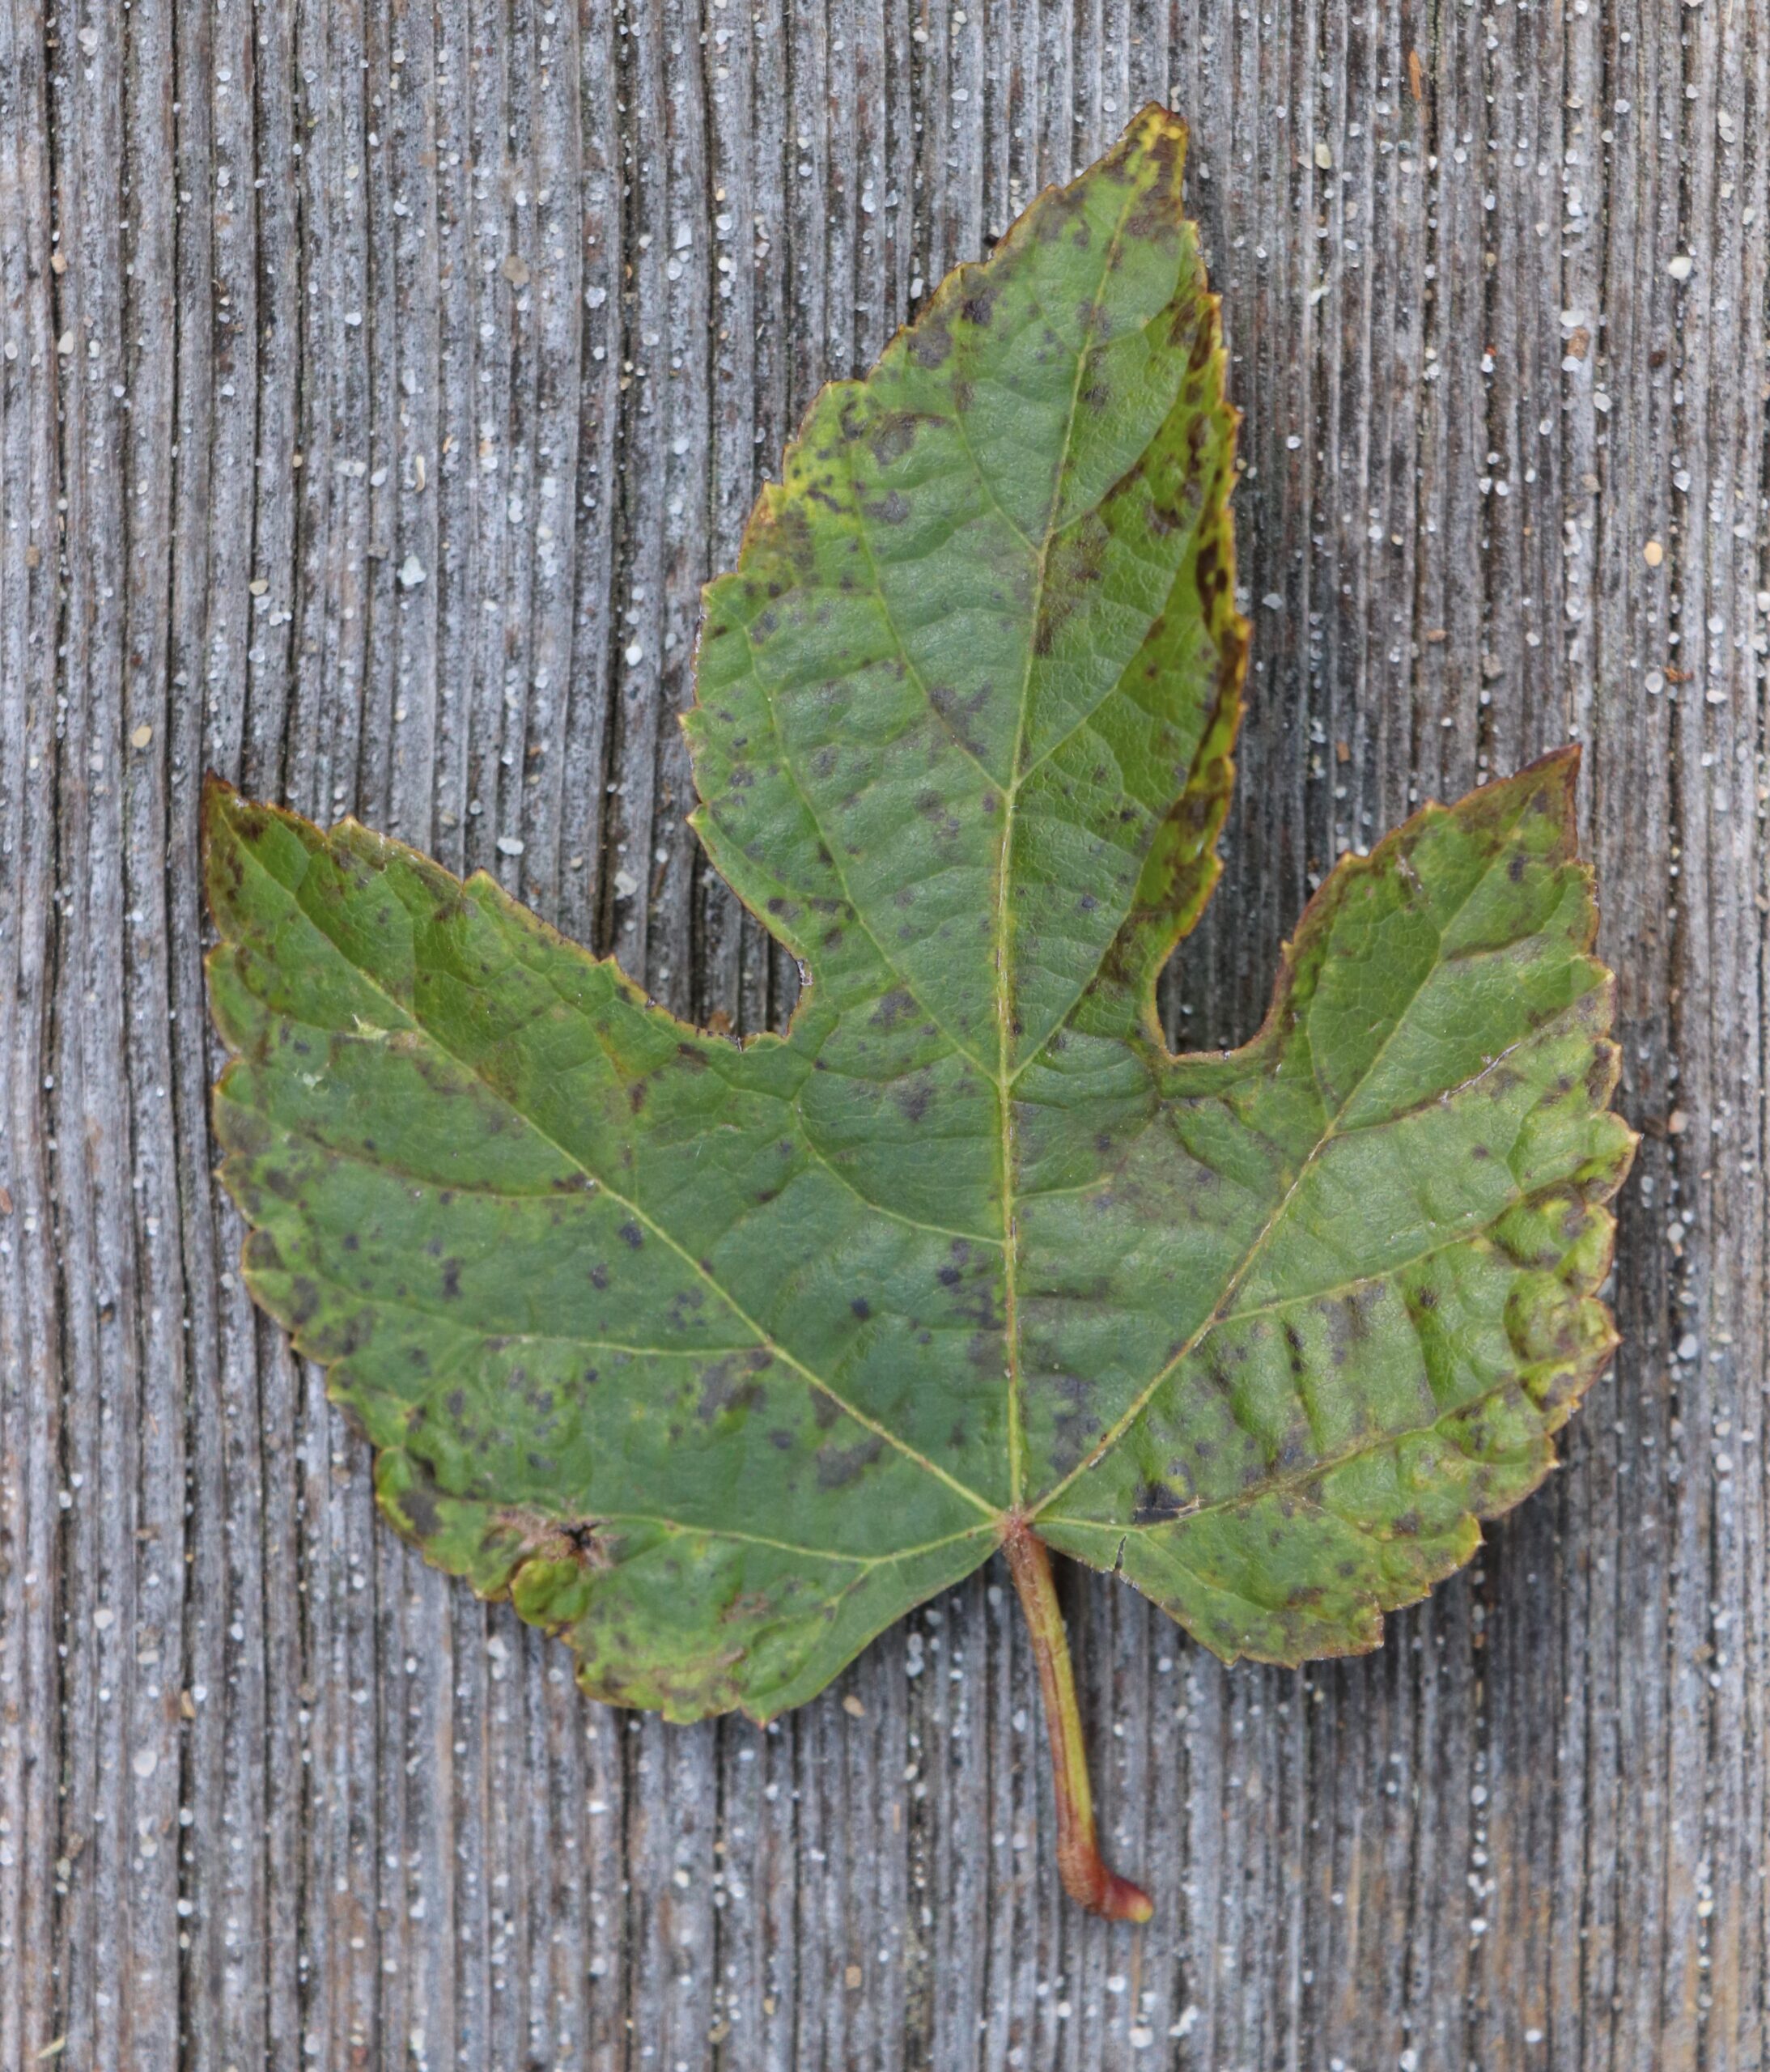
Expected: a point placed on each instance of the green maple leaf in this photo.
(717, 1358)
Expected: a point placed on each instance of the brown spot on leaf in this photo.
(417, 1505)
(724, 1385)
(913, 1095)
(892, 434)
(839, 1465)
(541, 1537)
(893, 1007)
(1156, 1502)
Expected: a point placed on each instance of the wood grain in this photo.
(378, 386)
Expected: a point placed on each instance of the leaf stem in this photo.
(1085, 1877)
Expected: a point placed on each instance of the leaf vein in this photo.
(841, 876)
(764, 1337)
(1017, 1440)
(1141, 1401)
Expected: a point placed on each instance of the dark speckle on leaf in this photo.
(416, 1505)
(1156, 1503)
(840, 1466)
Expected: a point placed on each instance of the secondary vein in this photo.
(764, 1338)
(1245, 1265)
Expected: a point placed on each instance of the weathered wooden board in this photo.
(378, 386)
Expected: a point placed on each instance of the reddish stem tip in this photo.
(1086, 1878)
(1123, 1901)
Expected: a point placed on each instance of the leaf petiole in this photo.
(1085, 1877)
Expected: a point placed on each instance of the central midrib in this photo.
(1005, 1076)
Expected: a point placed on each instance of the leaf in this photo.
(717, 1358)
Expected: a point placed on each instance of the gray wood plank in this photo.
(378, 389)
